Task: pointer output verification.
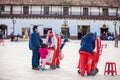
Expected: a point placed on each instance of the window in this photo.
(65, 10)
(105, 11)
(46, 10)
(25, 10)
(2, 8)
(85, 11)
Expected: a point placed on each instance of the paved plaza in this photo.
(15, 63)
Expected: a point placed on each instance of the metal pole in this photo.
(13, 27)
(14, 21)
(115, 25)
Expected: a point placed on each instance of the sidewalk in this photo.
(15, 63)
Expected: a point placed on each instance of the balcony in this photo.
(58, 14)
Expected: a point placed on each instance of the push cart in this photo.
(53, 56)
(95, 59)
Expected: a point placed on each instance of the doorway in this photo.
(26, 31)
(45, 30)
(104, 32)
(82, 30)
(3, 29)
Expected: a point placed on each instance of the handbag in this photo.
(61, 55)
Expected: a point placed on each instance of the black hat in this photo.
(43, 45)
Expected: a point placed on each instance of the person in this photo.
(12, 36)
(41, 41)
(86, 52)
(116, 39)
(34, 44)
(1, 39)
(104, 36)
(51, 40)
(17, 38)
(43, 53)
(109, 37)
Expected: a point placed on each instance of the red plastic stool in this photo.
(110, 67)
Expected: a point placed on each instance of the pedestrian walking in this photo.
(12, 36)
(34, 44)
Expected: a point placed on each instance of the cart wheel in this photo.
(78, 71)
(93, 72)
(53, 66)
(97, 69)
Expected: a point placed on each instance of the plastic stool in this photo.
(110, 67)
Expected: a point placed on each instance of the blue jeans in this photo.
(35, 59)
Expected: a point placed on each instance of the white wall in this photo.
(35, 9)
(75, 11)
(8, 23)
(101, 11)
(95, 11)
(55, 9)
(112, 11)
(17, 9)
(95, 25)
(56, 24)
(7, 8)
(119, 12)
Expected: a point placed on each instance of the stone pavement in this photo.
(15, 63)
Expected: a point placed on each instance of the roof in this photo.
(109, 3)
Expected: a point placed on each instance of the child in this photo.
(43, 53)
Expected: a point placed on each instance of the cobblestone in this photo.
(15, 63)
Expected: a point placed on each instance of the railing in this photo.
(59, 14)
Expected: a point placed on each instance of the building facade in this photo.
(71, 18)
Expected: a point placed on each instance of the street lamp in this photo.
(115, 25)
(65, 23)
(13, 21)
(66, 33)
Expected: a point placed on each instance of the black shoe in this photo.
(35, 68)
(58, 66)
